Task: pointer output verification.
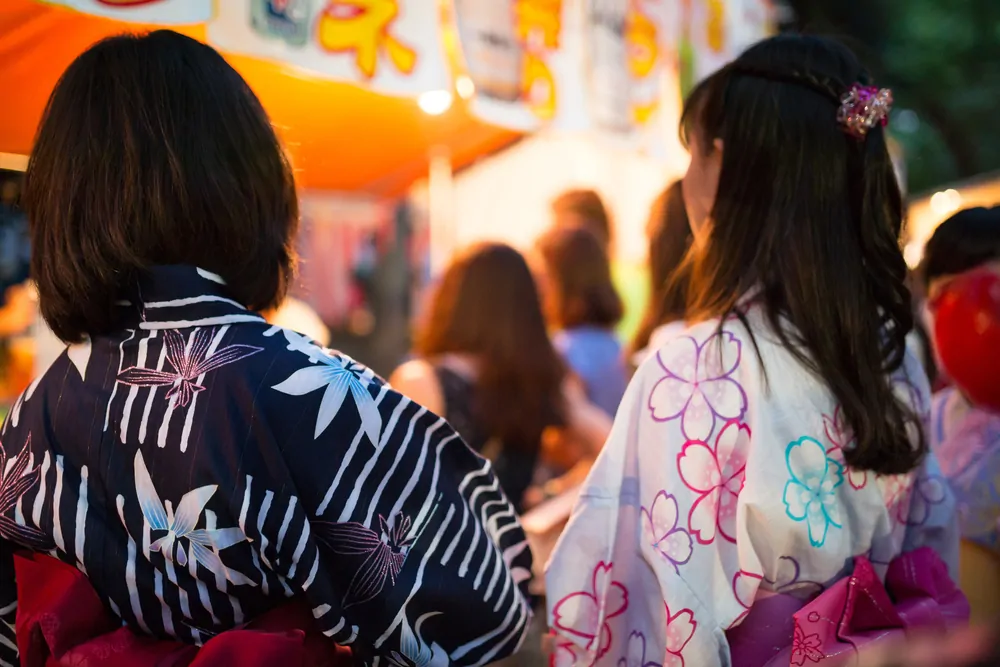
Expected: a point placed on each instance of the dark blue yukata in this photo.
(202, 467)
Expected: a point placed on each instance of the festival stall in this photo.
(383, 101)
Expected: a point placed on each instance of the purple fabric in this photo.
(855, 613)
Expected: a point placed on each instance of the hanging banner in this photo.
(721, 30)
(390, 46)
(164, 12)
(520, 56)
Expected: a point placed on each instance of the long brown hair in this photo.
(669, 239)
(487, 305)
(579, 275)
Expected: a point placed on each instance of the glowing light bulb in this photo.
(465, 87)
(434, 102)
(946, 202)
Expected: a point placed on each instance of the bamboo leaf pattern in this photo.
(14, 483)
(188, 365)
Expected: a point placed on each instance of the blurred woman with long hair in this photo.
(669, 237)
(485, 362)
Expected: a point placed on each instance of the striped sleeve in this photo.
(402, 540)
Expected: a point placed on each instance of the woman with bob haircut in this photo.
(198, 466)
(582, 306)
(766, 494)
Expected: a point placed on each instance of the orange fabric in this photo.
(340, 137)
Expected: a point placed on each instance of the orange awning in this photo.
(340, 137)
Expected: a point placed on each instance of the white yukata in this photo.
(718, 487)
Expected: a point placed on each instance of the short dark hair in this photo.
(809, 217)
(583, 208)
(964, 241)
(154, 151)
(580, 279)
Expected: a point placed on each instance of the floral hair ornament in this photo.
(861, 107)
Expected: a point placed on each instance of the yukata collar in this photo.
(184, 297)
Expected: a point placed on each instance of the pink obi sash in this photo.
(856, 613)
(61, 622)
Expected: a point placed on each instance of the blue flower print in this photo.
(811, 493)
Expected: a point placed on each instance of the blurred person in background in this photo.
(200, 477)
(584, 209)
(975, 646)
(18, 304)
(485, 362)
(582, 308)
(298, 316)
(966, 435)
(669, 235)
(773, 450)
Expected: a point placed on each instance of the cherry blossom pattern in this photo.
(662, 533)
(203, 543)
(585, 614)
(189, 363)
(384, 553)
(14, 483)
(910, 500)
(635, 655)
(716, 474)
(565, 655)
(787, 581)
(698, 386)
(745, 585)
(811, 493)
(338, 375)
(840, 437)
(680, 630)
(805, 647)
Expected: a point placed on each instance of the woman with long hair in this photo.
(776, 446)
(193, 469)
(486, 363)
(582, 308)
(669, 237)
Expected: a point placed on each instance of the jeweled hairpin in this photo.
(861, 107)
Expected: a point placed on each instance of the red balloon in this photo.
(967, 333)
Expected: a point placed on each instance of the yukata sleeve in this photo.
(653, 564)
(932, 520)
(411, 553)
(8, 605)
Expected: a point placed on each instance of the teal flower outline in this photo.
(810, 495)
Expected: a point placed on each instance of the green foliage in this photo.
(942, 60)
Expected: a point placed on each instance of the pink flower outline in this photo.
(188, 363)
(662, 532)
(680, 630)
(717, 483)
(840, 437)
(578, 613)
(698, 386)
(805, 647)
